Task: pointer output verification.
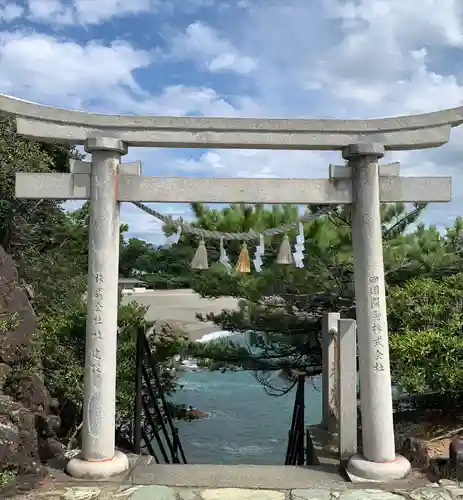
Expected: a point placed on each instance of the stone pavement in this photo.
(446, 490)
(146, 480)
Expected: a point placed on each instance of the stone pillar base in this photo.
(83, 469)
(359, 469)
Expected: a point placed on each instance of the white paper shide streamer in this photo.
(224, 259)
(173, 239)
(298, 253)
(257, 261)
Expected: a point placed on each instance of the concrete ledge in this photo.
(74, 127)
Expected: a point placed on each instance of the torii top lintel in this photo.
(52, 124)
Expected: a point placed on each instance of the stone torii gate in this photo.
(106, 183)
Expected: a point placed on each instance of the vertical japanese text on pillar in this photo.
(377, 333)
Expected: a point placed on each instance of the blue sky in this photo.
(260, 58)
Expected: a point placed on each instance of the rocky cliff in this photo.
(29, 423)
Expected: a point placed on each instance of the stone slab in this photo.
(314, 494)
(347, 392)
(369, 495)
(103, 491)
(241, 494)
(427, 493)
(187, 494)
(273, 477)
(154, 493)
(329, 370)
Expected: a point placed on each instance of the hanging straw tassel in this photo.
(244, 263)
(200, 259)
(285, 255)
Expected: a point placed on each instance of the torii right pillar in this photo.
(379, 461)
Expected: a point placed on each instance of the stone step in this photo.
(271, 477)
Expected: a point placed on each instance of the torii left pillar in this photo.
(99, 458)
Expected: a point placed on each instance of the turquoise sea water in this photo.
(246, 426)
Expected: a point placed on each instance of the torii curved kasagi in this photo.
(364, 185)
(48, 123)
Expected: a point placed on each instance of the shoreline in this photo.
(179, 307)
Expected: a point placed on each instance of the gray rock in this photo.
(447, 482)
(430, 494)
(18, 437)
(314, 494)
(17, 338)
(25, 426)
(15, 343)
(5, 370)
(187, 494)
(81, 493)
(369, 495)
(153, 493)
(241, 494)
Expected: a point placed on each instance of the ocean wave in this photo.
(250, 450)
(189, 364)
(233, 450)
(215, 336)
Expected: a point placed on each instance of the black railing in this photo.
(154, 432)
(300, 449)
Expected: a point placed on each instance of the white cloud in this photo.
(423, 91)
(10, 11)
(50, 11)
(252, 163)
(65, 72)
(95, 12)
(331, 58)
(177, 100)
(383, 59)
(208, 49)
(432, 22)
(87, 12)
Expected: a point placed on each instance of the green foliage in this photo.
(9, 322)
(38, 233)
(7, 476)
(62, 351)
(159, 267)
(50, 247)
(282, 306)
(426, 342)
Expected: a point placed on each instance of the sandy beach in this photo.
(179, 308)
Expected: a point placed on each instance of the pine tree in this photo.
(281, 308)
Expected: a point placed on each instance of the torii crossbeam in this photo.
(132, 187)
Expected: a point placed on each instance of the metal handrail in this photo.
(148, 398)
